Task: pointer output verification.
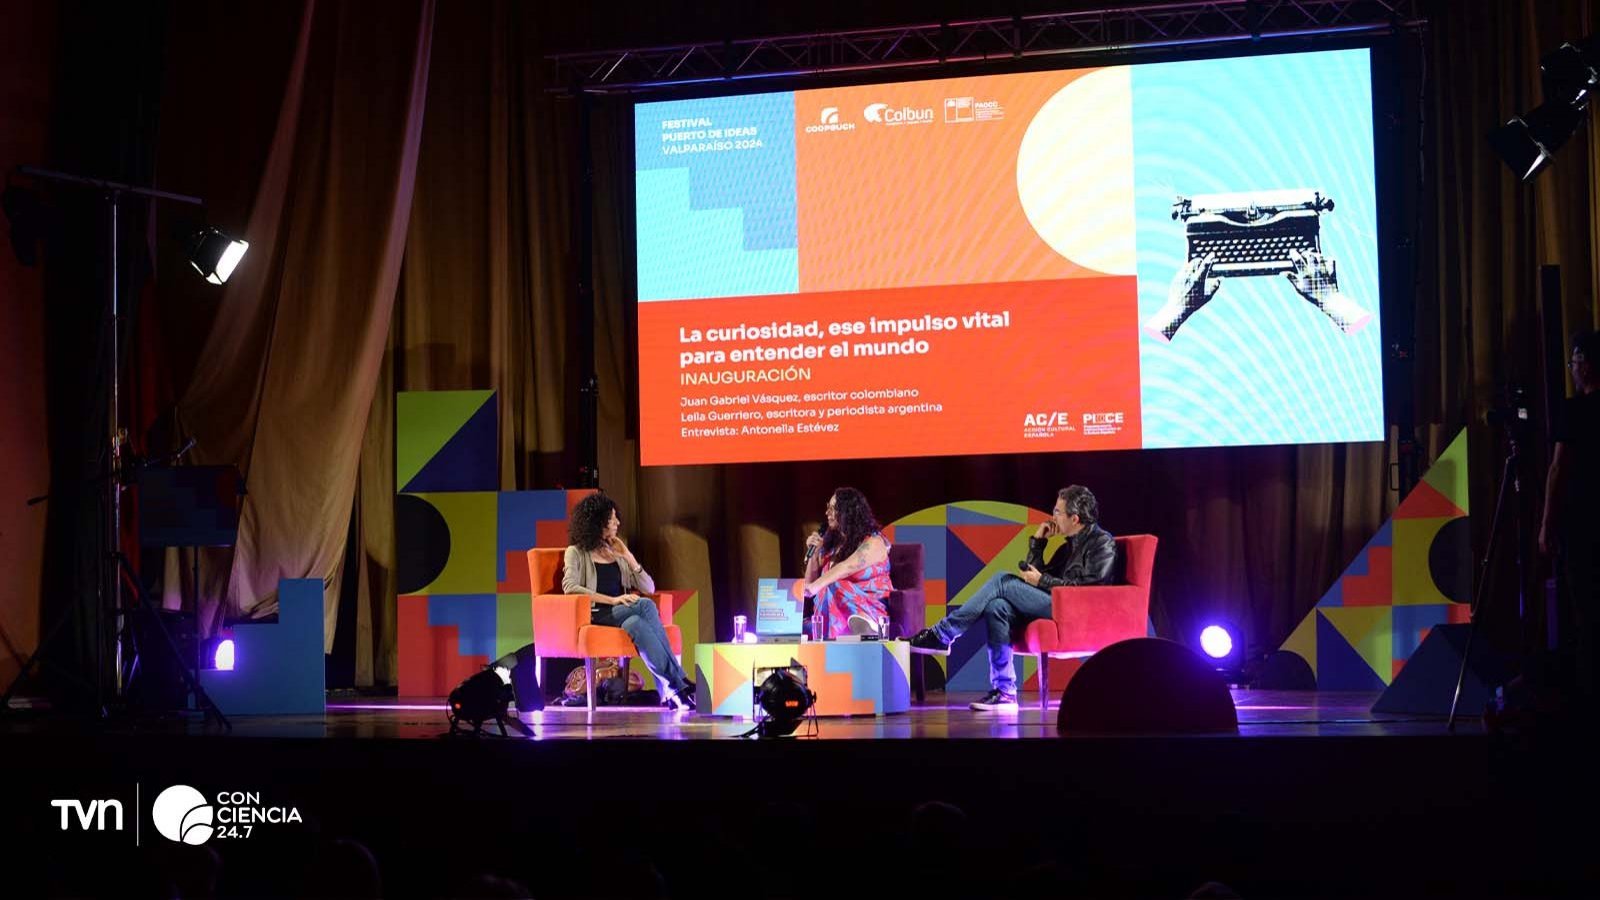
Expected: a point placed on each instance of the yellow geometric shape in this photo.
(1370, 631)
(1009, 512)
(1413, 581)
(1448, 475)
(933, 515)
(473, 520)
(1303, 640)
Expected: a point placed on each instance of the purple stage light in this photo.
(224, 655)
(1216, 642)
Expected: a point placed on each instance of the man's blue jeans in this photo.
(1005, 600)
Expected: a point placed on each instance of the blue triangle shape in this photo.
(1339, 666)
(469, 461)
(961, 565)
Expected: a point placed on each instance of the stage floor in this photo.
(1262, 714)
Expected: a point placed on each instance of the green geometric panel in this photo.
(424, 422)
(1448, 475)
(473, 517)
(1413, 580)
(513, 623)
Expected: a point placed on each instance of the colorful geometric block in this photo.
(1412, 575)
(462, 546)
(278, 668)
(471, 519)
(446, 441)
(850, 678)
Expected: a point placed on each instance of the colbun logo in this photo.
(884, 114)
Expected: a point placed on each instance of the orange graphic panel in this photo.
(1020, 367)
(916, 183)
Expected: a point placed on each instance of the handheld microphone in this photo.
(810, 549)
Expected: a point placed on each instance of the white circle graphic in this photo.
(182, 814)
(1075, 171)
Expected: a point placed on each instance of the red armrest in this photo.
(1092, 617)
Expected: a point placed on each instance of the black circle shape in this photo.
(422, 543)
(1450, 560)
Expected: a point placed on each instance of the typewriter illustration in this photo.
(1248, 234)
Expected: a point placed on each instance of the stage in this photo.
(1314, 796)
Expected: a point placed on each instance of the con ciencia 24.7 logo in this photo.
(182, 814)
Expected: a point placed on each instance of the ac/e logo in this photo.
(1044, 420)
(95, 812)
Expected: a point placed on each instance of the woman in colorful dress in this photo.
(848, 566)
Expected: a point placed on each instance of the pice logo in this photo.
(1102, 418)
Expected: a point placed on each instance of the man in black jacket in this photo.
(1013, 599)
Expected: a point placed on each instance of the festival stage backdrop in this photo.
(1159, 255)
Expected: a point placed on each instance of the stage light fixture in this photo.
(1216, 641)
(223, 658)
(1570, 75)
(784, 699)
(215, 255)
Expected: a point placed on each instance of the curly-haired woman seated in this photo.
(850, 576)
(599, 564)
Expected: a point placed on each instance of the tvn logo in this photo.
(1047, 424)
(829, 120)
(884, 114)
(90, 817)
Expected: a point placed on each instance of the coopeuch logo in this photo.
(183, 814)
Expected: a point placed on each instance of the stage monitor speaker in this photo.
(1427, 682)
(1148, 686)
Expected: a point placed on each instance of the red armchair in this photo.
(561, 622)
(1086, 619)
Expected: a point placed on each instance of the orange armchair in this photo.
(561, 622)
(1088, 618)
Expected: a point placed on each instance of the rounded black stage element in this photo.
(1147, 686)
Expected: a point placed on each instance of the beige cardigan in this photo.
(579, 577)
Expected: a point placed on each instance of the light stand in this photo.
(1510, 485)
(109, 564)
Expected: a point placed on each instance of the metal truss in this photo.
(1111, 29)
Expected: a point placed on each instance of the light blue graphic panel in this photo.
(716, 197)
(1258, 364)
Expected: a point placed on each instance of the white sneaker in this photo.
(860, 624)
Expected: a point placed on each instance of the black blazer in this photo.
(1086, 559)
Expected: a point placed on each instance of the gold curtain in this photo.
(283, 380)
(485, 293)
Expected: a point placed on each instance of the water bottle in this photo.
(819, 627)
